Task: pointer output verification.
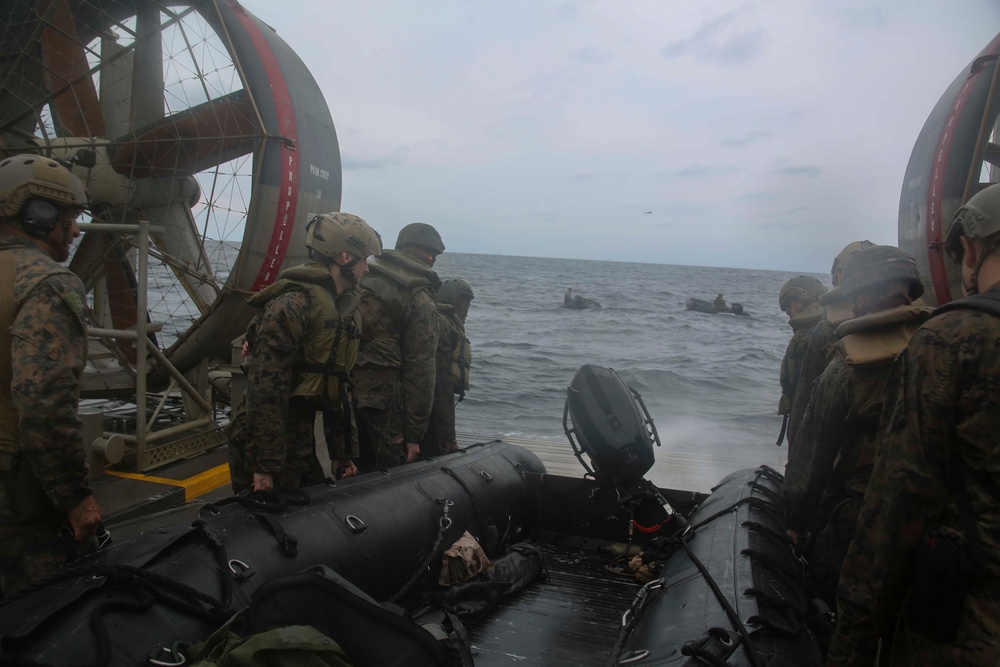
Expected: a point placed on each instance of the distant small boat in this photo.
(702, 306)
(581, 303)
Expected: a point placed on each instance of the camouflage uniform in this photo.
(829, 466)
(395, 374)
(942, 405)
(818, 351)
(451, 339)
(791, 363)
(43, 467)
(273, 433)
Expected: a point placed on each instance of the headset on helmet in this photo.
(421, 235)
(803, 288)
(35, 189)
(879, 265)
(329, 234)
(453, 289)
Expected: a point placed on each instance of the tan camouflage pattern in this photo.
(49, 475)
(440, 435)
(274, 433)
(942, 402)
(396, 369)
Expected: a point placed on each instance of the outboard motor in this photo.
(606, 419)
(603, 413)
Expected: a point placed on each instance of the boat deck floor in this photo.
(572, 618)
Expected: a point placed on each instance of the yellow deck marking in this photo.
(195, 486)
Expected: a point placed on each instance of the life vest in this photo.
(393, 277)
(9, 419)
(870, 343)
(320, 367)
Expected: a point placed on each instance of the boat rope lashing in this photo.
(772, 494)
(768, 563)
(721, 597)
(289, 543)
(767, 472)
(776, 628)
(444, 523)
(480, 524)
(774, 600)
(754, 503)
(629, 619)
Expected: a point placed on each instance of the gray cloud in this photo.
(746, 139)
(810, 171)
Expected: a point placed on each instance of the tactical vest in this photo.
(393, 278)
(870, 343)
(9, 419)
(320, 367)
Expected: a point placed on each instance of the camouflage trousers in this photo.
(380, 414)
(37, 548)
(828, 548)
(977, 644)
(301, 465)
(380, 435)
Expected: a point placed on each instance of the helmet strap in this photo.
(347, 270)
(973, 287)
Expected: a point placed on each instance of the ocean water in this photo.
(710, 382)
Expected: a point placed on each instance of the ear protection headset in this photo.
(39, 217)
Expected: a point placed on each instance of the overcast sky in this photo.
(743, 134)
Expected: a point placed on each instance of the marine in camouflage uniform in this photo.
(798, 298)
(454, 359)
(300, 348)
(829, 467)
(818, 347)
(395, 374)
(937, 445)
(48, 514)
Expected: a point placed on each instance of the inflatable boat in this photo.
(604, 568)
(702, 306)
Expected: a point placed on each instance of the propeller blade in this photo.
(184, 250)
(75, 108)
(193, 140)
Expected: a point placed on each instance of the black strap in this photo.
(988, 302)
(784, 428)
(289, 543)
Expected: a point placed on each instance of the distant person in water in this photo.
(568, 298)
(720, 303)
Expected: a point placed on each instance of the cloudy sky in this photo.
(743, 134)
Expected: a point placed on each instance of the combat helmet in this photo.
(979, 218)
(451, 290)
(840, 261)
(329, 234)
(421, 235)
(803, 288)
(877, 266)
(33, 189)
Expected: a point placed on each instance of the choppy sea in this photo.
(710, 382)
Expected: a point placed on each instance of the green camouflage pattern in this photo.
(49, 473)
(440, 435)
(816, 352)
(829, 467)
(791, 363)
(274, 432)
(396, 369)
(942, 403)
